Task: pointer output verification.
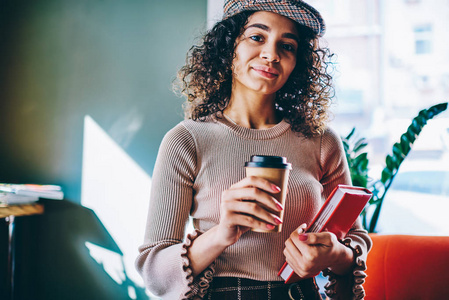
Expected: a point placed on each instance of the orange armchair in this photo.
(408, 267)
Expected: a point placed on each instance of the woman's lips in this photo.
(266, 71)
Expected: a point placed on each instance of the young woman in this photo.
(256, 85)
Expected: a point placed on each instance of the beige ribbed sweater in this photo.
(196, 162)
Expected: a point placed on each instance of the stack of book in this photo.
(337, 215)
(28, 193)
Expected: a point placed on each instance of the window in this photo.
(423, 39)
(392, 62)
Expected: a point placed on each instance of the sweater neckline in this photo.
(255, 134)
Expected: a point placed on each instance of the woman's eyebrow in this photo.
(264, 27)
(260, 26)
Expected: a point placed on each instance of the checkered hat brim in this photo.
(296, 10)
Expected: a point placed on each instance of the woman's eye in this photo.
(288, 47)
(256, 38)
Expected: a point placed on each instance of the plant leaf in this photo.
(405, 144)
(364, 165)
(386, 175)
(411, 136)
(397, 151)
(415, 127)
(360, 144)
(358, 180)
(421, 121)
(393, 162)
(348, 137)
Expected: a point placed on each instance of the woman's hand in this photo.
(310, 253)
(245, 205)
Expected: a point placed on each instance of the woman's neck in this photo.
(252, 111)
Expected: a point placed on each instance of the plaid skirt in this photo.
(233, 288)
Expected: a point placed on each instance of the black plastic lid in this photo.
(263, 161)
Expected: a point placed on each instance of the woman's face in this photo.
(265, 53)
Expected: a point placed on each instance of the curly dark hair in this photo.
(303, 101)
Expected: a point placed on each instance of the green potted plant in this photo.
(359, 163)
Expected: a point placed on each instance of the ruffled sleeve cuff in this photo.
(348, 286)
(197, 286)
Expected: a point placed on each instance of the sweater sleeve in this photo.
(162, 261)
(336, 171)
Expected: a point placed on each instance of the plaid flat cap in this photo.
(296, 10)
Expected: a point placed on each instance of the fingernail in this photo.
(277, 220)
(270, 226)
(302, 237)
(302, 228)
(275, 188)
(279, 206)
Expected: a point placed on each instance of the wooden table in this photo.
(9, 213)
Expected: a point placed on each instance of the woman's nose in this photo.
(270, 52)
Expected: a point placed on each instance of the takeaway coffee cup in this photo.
(276, 170)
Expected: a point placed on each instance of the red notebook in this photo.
(337, 215)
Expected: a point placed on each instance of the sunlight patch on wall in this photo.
(118, 191)
(112, 263)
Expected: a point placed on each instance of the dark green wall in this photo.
(61, 60)
(112, 60)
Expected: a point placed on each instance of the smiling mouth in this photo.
(266, 72)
